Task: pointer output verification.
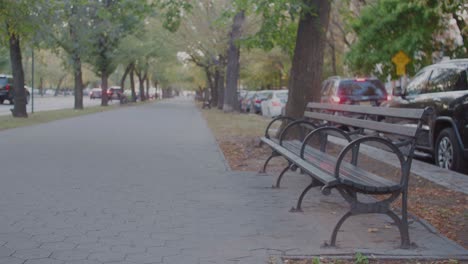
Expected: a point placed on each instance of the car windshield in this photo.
(282, 95)
(3, 81)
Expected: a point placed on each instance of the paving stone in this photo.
(73, 254)
(128, 249)
(144, 258)
(57, 246)
(44, 261)
(22, 244)
(86, 261)
(107, 256)
(34, 253)
(11, 260)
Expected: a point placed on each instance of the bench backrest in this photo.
(369, 117)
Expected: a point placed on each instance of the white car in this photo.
(273, 106)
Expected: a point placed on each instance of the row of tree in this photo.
(292, 43)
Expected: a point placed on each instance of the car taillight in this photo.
(335, 99)
(258, 101)
(275, 103)
(7, 87)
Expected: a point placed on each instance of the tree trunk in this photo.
(59, 85)
(124, 76)
(141, 86)
(41, 86)
(231, 102)
(19, 109)
(78, 76)
(147, 85)
(220, 87)
(104, 99)
(77, 72)
(132, 84)
(332, 45)
(306, 70)
(212, 86)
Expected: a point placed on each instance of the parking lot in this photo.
(46, 103)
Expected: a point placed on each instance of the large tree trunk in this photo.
(231, 102)
(306, 70)
(77, 72)
(220, 87)
(78, 76)
(132, 84)
(104, 99)
(19, 109)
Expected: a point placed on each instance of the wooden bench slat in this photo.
(407, 113)
(397, 129)
(349, 174)
(320, 175)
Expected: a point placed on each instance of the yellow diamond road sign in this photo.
(401, 59)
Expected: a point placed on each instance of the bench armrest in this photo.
(354, 146)
(279, 118)
(293, 124)
(322, 130)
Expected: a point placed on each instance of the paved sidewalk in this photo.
(148, 185)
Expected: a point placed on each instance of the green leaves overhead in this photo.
(172, 12)
(388, 26)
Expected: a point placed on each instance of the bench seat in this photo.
(350, 175)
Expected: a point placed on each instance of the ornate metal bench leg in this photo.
(405, 243)
(273, 154)
(278, 180)
(298, 207)
(337, 228)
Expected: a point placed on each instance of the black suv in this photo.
(360, 91)
(444, 88)
(7, 91)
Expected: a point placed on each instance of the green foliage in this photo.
(279, 23)
(316, 260)
(360, 259)
(388, 26)
(110, 22)
(260, 69)
(172, 12)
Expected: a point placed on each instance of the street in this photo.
(52, 103)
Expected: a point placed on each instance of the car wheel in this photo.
(448, 151)
(12, 102)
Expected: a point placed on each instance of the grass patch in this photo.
(9, 122)
(234, 125)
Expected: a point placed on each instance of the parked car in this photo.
(257, 99)
(360, 91)
(95, 93)
(443, 87)
(113, 92)
(273, 106)
(246, 101)
(7, 91)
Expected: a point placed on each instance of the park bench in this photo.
(310, 144)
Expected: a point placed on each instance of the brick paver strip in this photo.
(148, 184)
